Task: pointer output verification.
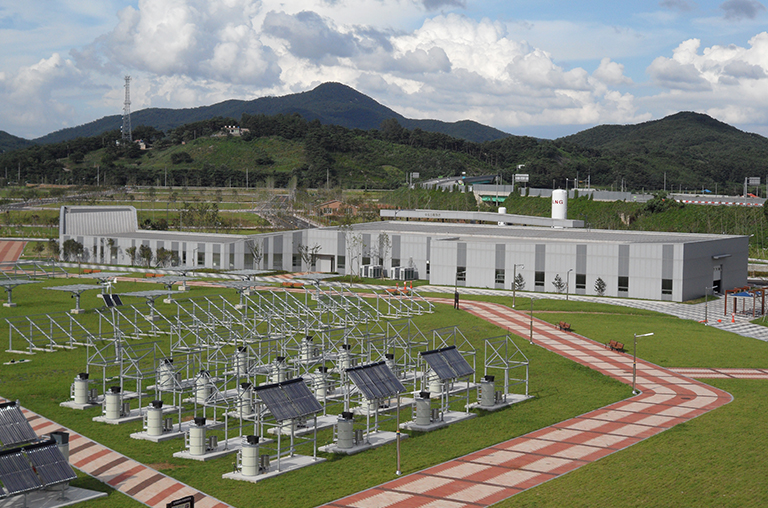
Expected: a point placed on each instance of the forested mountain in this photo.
(693, 149)
(330, 103)
(10, 142)
(685, 151)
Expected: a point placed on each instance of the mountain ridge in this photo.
(330, 103)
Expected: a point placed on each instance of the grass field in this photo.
(714, 460)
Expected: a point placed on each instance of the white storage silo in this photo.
(345, 431)
(197, 444)
(559, 204)
(154, 418)
(423, 409)
(249, 456)
(80, 389)
(113, 403)
(487, 391)
(203, 387)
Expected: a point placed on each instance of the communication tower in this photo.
(126, 130)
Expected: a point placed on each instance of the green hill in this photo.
(9, 142)
(329, 103)
(694, 150)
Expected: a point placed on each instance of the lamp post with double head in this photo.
(634, 363)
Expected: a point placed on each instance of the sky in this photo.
(547, 68)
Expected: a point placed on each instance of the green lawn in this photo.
(703, 458)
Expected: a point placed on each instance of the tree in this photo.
(72, 249)
(309, 254)
(53, 248)
(112, 244)
(600, 286)
(519, 282)
(163, 257)
(131, 251)
(38, 248)
(256, 249)
(558, 283)
(145, 255)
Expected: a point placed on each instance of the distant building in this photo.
(231, 130)
(634, 264)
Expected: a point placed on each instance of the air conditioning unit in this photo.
(372, 271)
(404, 273)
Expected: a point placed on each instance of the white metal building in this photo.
(649, 265)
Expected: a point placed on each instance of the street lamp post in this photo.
(634, 362)
(567, 283)
(530, 339)
(514, 282)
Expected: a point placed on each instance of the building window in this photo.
(395, 262)
(581, 281)
(461, 274)
(427, 268)
(341, 262)
(539, 279)
(624, 284)
(296, 260)
(216, 259)
(366, 260)
(666, 286)
(277, 261)
(200, 258)
(500, 276)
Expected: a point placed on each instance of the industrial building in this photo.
(549, 255)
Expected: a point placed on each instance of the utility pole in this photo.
(126, 130)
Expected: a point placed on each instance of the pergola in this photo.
(76, 290)
(9, 284)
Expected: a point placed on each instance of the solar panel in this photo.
(289, 400)
(447, 363)
(14, 428)
(16, 473)
(50, 464)
(108, 300)
(375, 381)
(117, 300)
(457, 362)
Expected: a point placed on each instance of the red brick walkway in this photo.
(10, 250)
(132, 478)
(490, 475)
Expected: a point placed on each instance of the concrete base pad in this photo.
(71, 404)
(175, 433)
(323, 422)
(373, 441)
(233, 444)
(287, 464)
(76, 311)
(6, 304)
(52, 498)
(449, 418)
(512, 398)
(135, 414)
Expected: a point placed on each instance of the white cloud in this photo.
(611, 73)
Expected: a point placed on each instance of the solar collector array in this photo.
(447, 363)
(50, 464)
(16, 473)
(375, 381)
(14, 427)
(289, 400)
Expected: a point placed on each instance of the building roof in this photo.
(97, 220)
(488, 232)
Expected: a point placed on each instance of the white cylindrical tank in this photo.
(559, 204)
(320, 383)
(203, 387)
(435, 385)
(502, 210)
(62, 442)
(307, 348)
(241, 361)
(113, 403)
(165, 374)
(249, 456)
(423, 413)
(155, 418)
(279, 370)
(197, 437)
(487, 391)
(345, 357)
(80, 389)
(244, 404)
(345, 431)
(390, 361)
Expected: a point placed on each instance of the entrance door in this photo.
(717, 279)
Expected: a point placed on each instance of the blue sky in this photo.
(546, 68)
